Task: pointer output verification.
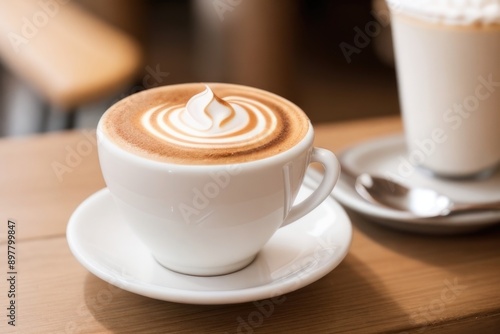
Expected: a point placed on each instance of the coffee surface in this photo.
(205, 124)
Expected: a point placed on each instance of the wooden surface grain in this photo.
(390, 282)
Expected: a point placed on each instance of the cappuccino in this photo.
(206, 174)
(205, 124)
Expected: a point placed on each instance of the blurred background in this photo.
(63, 62)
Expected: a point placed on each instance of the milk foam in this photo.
(193, 124)
(207, 121)
(454, 12)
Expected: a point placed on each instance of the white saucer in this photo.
(296, 255)
(384, 155)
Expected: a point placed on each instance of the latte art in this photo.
(205, 124)
(208, 121)
(207, 112)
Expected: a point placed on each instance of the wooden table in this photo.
(390, 282)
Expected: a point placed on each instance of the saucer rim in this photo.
(358, 204)
(259, 292)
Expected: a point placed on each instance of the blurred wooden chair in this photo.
(67, 55)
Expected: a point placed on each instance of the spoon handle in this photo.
(458, 207)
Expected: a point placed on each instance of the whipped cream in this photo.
(454, 12)
(209, 121)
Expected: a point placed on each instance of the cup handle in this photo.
(331, 174)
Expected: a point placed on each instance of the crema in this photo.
(199, 123)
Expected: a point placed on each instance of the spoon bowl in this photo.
(422, 202)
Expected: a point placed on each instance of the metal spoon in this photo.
(422, 202)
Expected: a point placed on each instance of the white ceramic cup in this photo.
(212, 219)
(449, 88)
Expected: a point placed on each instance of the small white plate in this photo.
(387, 156)
(296, 255)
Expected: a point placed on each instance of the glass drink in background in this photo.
(448, 69)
